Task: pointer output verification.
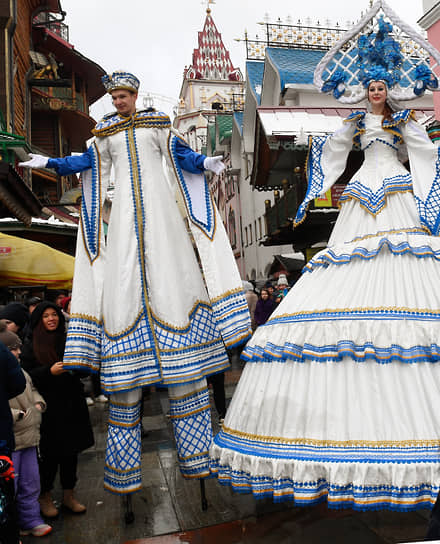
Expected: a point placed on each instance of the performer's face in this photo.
(50, 319)
(124, 101)
(377, 93)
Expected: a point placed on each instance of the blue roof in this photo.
(238, 118)
(294, 65)
(255, 71)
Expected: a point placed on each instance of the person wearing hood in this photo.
(65, 428)
(16, 316)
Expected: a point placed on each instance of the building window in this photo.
(246, 236)
(250, 234)
(259, 229)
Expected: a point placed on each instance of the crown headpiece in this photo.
(120, 80)
(380, 47)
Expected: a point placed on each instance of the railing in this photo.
(292, 36)
(49, 21)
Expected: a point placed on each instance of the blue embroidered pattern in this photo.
(356, 313)
(232, 315)
(347, 452)
(330, 257)
(344, 348)
(390, 126)
(429, 210)
(359, 117)
(315, 176)
(374, 202)
(191, 418)
(91, 208)
(312, 491)
(207, 227)
(83, 344)
(128, 360)
(122, 470)
(113, 123)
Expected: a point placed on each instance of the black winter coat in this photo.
(12, 383)
(65, 427)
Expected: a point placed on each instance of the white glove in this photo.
(214, 164)
(36, 161)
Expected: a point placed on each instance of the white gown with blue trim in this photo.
(339, 398)
(142, 310)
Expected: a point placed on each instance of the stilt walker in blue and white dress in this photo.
(142, 311)
(338, 399)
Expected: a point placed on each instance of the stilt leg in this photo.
(203, 495)
(122, 470)
(128, 509)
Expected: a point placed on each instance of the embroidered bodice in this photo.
(381, 173)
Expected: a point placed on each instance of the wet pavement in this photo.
(168, 508)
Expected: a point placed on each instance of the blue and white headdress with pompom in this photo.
(380, 47)
(120, 79)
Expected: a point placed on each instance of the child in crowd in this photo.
(26, 411)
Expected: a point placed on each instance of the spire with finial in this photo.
(207, 3)
(211, 59)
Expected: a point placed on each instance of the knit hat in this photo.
(9, 338)
(282, 280)
(16, 312)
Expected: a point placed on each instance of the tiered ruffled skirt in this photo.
(339, 398)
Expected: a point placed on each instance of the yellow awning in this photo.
(24, 262)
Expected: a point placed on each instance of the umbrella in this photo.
(24, 262)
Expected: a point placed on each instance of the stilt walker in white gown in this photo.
(142, 311)
(339, 398)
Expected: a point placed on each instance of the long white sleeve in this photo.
(425, 172)
(83, 345)
(326, 162)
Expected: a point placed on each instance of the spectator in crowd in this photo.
(282, 285)
(251, 299)
(26, 411)
(32, 303)
(12, 383)
(65, 308)
(269, 288)
(265, 306)
(16, 316)
(65, 428)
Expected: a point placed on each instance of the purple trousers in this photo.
(27, 487)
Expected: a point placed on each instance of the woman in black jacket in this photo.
(65, 428)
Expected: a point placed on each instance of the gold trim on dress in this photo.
(226, 294)
(333, 443)
(392, 231)
(361, 309)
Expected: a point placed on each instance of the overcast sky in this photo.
(155, 39)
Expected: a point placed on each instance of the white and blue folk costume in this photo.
(338, 399)
(142, 312)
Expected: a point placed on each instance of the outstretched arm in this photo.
(196, 163)
(64, 166)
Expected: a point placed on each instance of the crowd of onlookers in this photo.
(261, 305)
(42, 405)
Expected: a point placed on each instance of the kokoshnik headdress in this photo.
(120, 80)
(380, 47)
